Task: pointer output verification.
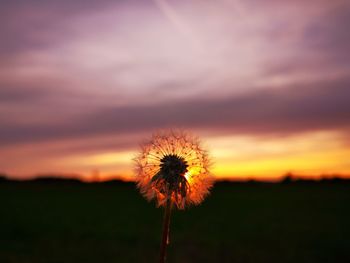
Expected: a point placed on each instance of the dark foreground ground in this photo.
(72, 222)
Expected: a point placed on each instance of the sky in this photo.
(265, 84)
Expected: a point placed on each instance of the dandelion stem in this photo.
(166, 225)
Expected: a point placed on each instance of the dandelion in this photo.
(172, 168)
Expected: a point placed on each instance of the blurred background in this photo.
(264, 84)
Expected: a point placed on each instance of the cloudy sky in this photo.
(265, 84)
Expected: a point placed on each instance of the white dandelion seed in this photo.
(173, 165)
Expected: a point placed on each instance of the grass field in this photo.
(72, 222)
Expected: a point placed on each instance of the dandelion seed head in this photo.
(173, 165)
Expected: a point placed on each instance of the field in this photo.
(74, 222)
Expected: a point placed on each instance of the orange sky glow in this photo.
(234, 157)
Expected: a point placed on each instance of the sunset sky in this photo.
(264, 83)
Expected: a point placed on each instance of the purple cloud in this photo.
(313, 107)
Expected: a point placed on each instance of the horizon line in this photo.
(80, 177)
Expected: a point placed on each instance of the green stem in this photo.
(165, 236)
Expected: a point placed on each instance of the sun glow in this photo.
(267, 158)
